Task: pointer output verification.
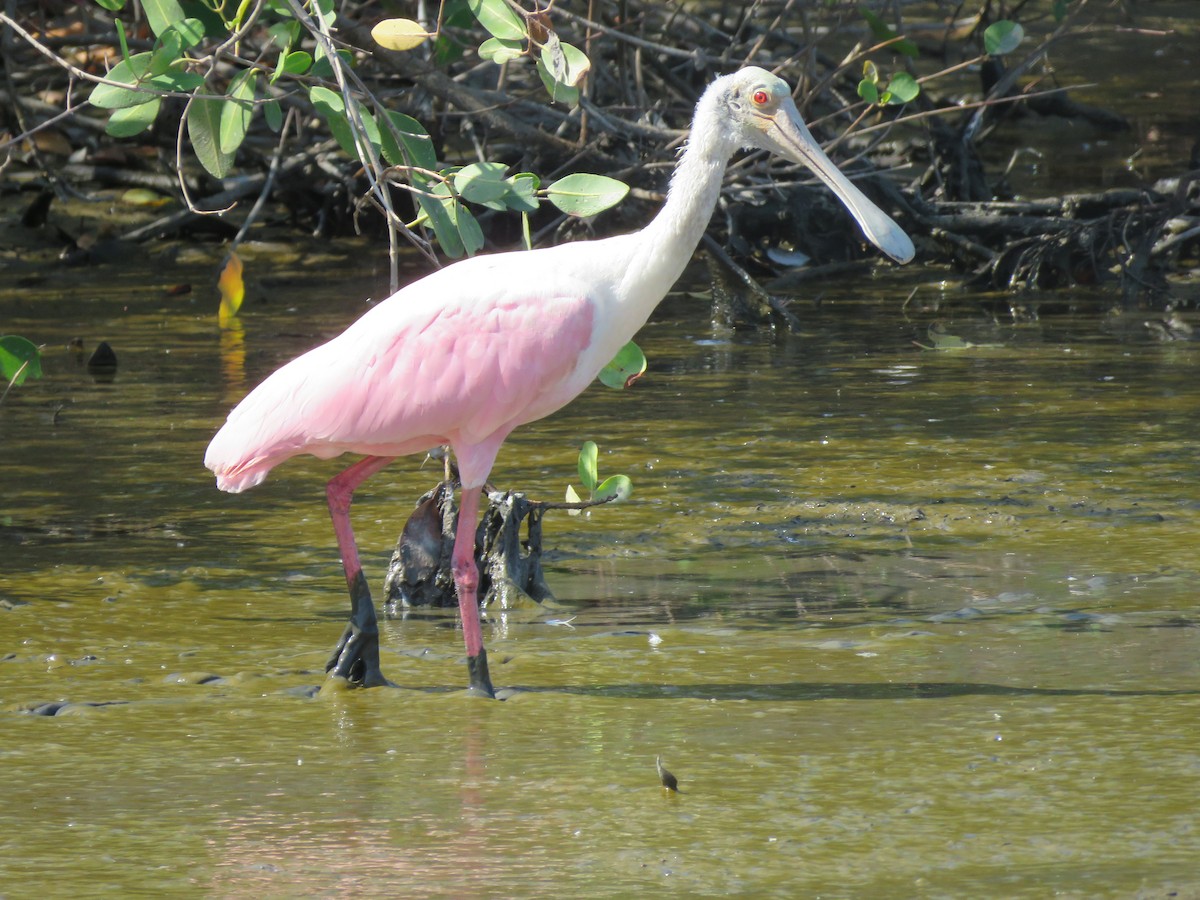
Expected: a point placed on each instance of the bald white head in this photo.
(759, 111)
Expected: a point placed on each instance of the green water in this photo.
(902, 623)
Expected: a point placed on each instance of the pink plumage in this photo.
(451, 359)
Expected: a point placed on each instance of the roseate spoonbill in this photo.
(465, 355)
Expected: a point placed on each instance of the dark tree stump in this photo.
(510, 569)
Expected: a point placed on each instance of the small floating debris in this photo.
(193, 678)
(940, 339)
(102, 364)
(793, 259)
(669, 781)
(565, 623)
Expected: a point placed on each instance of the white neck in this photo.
(665, 246)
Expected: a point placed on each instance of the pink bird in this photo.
(469, 353)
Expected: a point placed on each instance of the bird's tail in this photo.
(236, 469)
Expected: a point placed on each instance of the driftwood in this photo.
(1126, 237)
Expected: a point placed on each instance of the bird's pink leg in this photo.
(356, 657)
(466, 582)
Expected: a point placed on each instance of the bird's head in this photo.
(761, 109)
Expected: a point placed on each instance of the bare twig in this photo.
(372, 165)
(268, 185)
(543, 505)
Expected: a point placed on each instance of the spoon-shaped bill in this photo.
(788, 136)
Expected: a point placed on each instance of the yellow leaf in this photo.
(399, 34)
(232, 288)
(572, 497)
(144, 197)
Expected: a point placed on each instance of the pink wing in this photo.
(410, 375)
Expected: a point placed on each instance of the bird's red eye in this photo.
(761, 97)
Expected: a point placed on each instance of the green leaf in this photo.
(133, 120)
(190, 32)
(616, 487)
(297, 62)
(436, 216)
(127, 71)
(464, 234)
(17, 352)
(499, 51)
(371, 130)
(884, 32)
(204, 129)
(237, 112)
(122, 39)
(1002, 37)
(586, 195)
(562, 69)
(500, 19)
(176, 82)
(903, 88)
(285, 34)
(523, 194)
(625, 368)
(162, 14)
(107, 96)
(329, 106)
(868, 91)
(112, 5)
(447, 50)
(137, 71)
(880, 29)
(559, 92)
(167, 54)
(588, 456)
(415, 147)
(273, 114)
(940, 339)
(468, 228)
(323, 68)
(566, 62)
(482, 183)
(327, 10)
(326, 100)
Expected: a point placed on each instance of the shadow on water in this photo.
(790, 692)
(794, 692)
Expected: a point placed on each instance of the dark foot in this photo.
(356, 656)
(481, 682)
